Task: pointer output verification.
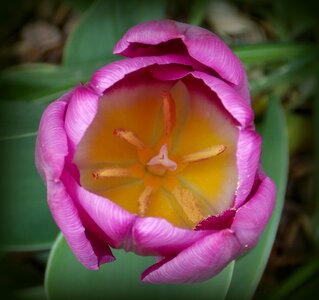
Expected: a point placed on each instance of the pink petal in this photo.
(159, 237)
(248, 158)
(114, 221)
(218, 222)
(148, 33)
(229, 98)
(89, 250)
(81, 111)
(204, 259)
(107, 76)
(253, 216)
(164, 37)
(51, 145)
(170, 72)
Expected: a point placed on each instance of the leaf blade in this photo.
(103, 25)
(65, 276)
(25, 220)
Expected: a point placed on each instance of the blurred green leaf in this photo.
(249, 269)
(19, 119)
(33, 81)
(79, 5)
(25, 220)
(293, 18)
(270, 53)
(300, 132)
(103, 25)
(29, 81)
(285, 74)
(315, 220)
(295, 281)
(32, 293)
(308, 291)
(66, 278)
(198, 11)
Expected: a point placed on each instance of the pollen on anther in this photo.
(111, 172)
(204, 154)
(129, 137)
(143, 200)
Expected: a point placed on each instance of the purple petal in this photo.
(89, 250)
(81, 111)
(134, 41)
(107, 76)
(248, 158)
(159, 237)
(170, 72)
(218, 222)
(253, 216)
(229, 97)
(51, 145)
(114, 221)
(199, 262)
(164, 37)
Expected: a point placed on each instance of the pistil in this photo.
(161, 163)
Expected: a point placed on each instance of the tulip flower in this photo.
(157, 154)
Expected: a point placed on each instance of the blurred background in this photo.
(278, 44)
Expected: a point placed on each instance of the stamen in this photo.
(189, 205)
(130, 137)
(169, 112)
(112, 172)
(144, 200)
(204, 154)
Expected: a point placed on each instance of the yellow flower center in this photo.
(161, 150)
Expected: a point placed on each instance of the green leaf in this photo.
(79, 5)
(249, 269)
(296, 281)
(19, 119)
(31, 293)
(25, 220)
(103, 25)
(315, 219)
(66, 278)
(286, 74)
(32, 81)
(198, 12)
(270, 53)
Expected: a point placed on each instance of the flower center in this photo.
(157, 166)
(161, 154)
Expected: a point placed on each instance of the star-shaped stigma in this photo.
(158, 166)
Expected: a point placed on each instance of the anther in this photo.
(111, 172)
(204, 154)
(144, 200)
(189, 205)
(129, 137)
